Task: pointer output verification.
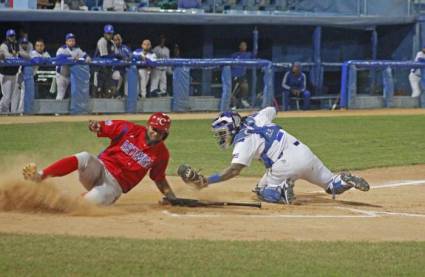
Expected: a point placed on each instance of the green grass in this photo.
(346, 142)
(342, 143)
(78, 256)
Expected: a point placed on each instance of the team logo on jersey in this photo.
(136, 154)
(108, 122)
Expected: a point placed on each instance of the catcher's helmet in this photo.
(160, 122)
(225, 127)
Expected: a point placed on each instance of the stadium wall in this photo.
(320, 41)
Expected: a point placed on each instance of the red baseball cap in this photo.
(160, 122)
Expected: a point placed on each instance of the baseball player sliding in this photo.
(134, 150)
(285, 158)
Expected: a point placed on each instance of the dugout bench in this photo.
(328, 99)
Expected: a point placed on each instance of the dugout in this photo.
(320, 39)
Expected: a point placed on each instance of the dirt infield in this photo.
(206, 115)
(394, 209)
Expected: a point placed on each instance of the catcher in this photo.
(285, 158)
(134, 150)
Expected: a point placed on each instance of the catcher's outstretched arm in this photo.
(232, 171)
(193, 177)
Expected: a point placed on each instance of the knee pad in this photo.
(283, 193)
(272, 194)
(83, 159)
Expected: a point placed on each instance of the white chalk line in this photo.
(391, 185)
(259, 215)
(378, 213)
(406, 183)
(360, 214)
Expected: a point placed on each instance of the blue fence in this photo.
(349, 79)
(80, 76)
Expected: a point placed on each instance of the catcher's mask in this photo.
(225, 127)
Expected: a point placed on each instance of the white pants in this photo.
(103, 188)
(120, 79)
(116, 5)
(62, 83)
(21, 98)
(297, 162)
(144, 75)
(415, 84)
(9, 89)
(159, 76)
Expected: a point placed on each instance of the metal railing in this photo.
(80, 79)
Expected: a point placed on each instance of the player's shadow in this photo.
(319, 198)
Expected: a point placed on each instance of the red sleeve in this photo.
(157, 172)
(114, 129)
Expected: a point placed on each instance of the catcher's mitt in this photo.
(191, 176)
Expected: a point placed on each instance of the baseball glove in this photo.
(191, 176)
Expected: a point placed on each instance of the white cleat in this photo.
(30, 173)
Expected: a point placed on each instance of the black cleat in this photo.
(355, 181)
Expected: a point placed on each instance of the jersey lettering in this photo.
(136, 154)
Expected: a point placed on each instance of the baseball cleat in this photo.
(355, 181)
(30, 173)
(288, 195)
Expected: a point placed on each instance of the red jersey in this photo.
(128, 158)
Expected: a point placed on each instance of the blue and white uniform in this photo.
(415, 76)
(144, 73)
(119, 74)
(8, 78)
(159, 74)
(283, 155)
(299, 82)
(63, 72)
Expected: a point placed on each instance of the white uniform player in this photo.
(8, 75)
(69, 50)
(159, 74)
(37, 54)
(415, 75)
(286, 158)
(144, 53)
